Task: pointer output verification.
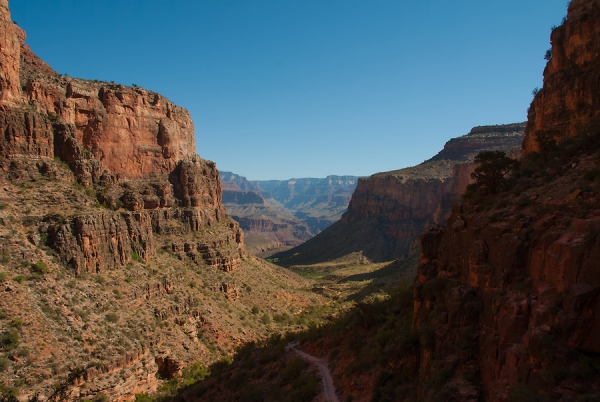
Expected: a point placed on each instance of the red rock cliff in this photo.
(132, 147)
(570, 98)
(10, 49)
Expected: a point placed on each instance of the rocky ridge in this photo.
(389, 210)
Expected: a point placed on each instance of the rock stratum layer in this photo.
(118, 262)
(388, 211)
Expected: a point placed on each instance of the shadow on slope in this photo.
(341, 239)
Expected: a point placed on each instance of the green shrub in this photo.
(136, 257)
(490, 175)
(17, 323)
(265, 319)
(10, 339)
(4, 257)
(19, 278)
(40, 267)
(522, 393)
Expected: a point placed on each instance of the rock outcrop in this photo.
(389, 210)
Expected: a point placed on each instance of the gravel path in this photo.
(323, 368)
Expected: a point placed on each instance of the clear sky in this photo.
(309, 88)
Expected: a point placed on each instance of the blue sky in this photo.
(309, 88)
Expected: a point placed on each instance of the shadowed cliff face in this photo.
(569, 100)
(509, 290)
(389, 210)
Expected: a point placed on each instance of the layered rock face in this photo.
(132, 146)
(569, 100)
(10, 52)
(509, 291)
(105, 203)
(388, 211)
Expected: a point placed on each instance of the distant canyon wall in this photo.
(389, 210)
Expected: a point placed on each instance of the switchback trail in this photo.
(330, 394)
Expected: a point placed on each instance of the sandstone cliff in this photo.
(508, 291)
(389, 210)
(119, 265)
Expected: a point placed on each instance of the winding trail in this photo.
(330, 394)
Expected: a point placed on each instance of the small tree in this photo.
(491, 172)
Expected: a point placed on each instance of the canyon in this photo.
(123, 273)
(279, 214)
(505, 302)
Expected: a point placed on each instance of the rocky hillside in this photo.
(277, 214)
(119, 265)
(389, 210)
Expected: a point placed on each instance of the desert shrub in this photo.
(265, 319)
(100, 398)
(293, 368)
(304, 388)
(10, 339)
(589, 239)
(111, 317)
(19, 278)
(3, 205)
(135, 256)
(4, 363)
(144, 397)
(219, 366)
(4, 256)
(522, 393)
(83, 314)
(40, 267)
(17, 323)
(255, 310)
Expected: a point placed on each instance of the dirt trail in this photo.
(323, 368)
